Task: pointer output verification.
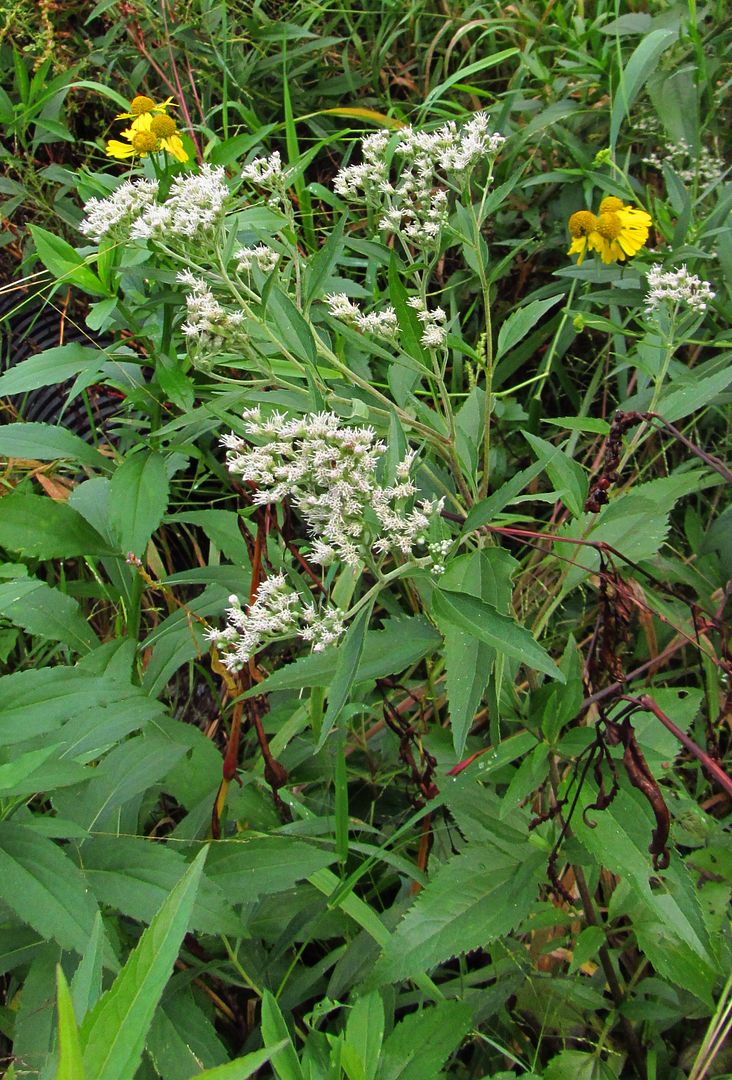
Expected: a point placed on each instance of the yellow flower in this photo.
(582, 229)
(147, 135)
(142, 106)
(616, 233)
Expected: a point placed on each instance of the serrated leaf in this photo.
(138, 500)
(250, 867)
(113, 1033)
(421, 1043)
(484, 511)
(401, 643)
(485, 624)
(44, 888)
(681, 401)
(349, 656)
(42, 528)
(473, 899)
(43, 442)
(486, 575)
(569, 478)
(134, 876)
(667, 919)
(291, 326)
(46, 612)
(50, 367)
(520, 323)
(64, 262)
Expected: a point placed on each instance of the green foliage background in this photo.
(393, 893)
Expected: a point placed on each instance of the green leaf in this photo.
(365, 1033)
(42, 610)
(569, 478)
(50, 367)
(579, 1066)
(484, 511)
(44, 888)
(486, 575)
(466, 73)
(182, 1038)
(86, 985)
(520, 323)
(134, 876)
(250, 867)
(401, 643)
(42, 528)
(636, 73)
(667, 918)
(474, 898)
(113, 1033)
(138, 500)
(484, 623)
(274, 1031)
(243, 1067)
(322, 263)
(64, 262)
(421, 1043)
(128, 770)
(70, 1062)
(42, 442)
(349, 656)
(292, 328)
(680, 401)
(95, 710)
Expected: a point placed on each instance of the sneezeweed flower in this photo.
(582, 228)
(616, 233)
(149, 134)
(142, 105)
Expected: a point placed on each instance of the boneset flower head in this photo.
(118, 210)
(330, 473)
(277, 612)
(677, 287)
(412, 200)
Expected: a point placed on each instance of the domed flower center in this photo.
(144, 142)
(141, 104)
(610, 205)
(163, 126)
(609, 225)
(582, 223)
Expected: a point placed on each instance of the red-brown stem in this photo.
(708, 763)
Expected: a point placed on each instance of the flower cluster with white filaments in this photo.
(330, 474)
(411, 200)
(677, 287)
(277, 612)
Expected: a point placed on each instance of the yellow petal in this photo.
(174, 145)
(117, 149)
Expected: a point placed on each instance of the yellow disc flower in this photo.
(142, 105)
(582, 229)
(616, 233)
(149, 134)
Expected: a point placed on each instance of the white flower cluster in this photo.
(268, 174)
(687, 164)
(195, 205)
(415, 204)
(262, 256)
(277, 612)
(126, 202)
(434, 333)
(330, 473)
(678, 287)
(208, 322)
(380, 323)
